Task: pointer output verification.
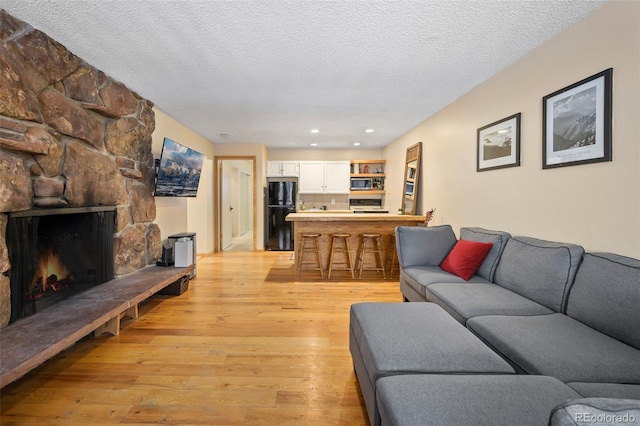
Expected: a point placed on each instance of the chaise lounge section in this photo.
(387, 339)
(479, 400)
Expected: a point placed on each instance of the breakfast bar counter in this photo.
(354, 224)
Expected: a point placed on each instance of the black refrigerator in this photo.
(281, 200)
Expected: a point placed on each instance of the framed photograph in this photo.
(498, 144)
(577, 123)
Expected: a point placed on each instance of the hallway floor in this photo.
(243, 242)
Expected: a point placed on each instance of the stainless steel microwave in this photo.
(361, 184)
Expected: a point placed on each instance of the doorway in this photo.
(236, 196)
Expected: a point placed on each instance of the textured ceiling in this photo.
(268, 72)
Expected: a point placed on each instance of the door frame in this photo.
(217, 194)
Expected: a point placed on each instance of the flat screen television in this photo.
(178, 170)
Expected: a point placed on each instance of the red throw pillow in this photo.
(465, 258)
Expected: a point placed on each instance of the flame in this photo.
(49, 265)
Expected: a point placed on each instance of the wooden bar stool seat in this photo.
(370, 243)
(346, 249)
(314, 247)
(392, 255)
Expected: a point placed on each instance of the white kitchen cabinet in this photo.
(336, 177)
(311, 180)
(324, 177)
(289, 168)
(282, 168)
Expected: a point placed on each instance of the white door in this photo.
(225, 205)
(336, 177)
(311, 180)
(246, 211)
(235, 202)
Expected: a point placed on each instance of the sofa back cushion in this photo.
(497, 238)
(606, 296)
(422, 246)
(542, 271)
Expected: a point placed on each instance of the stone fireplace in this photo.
(71, 139)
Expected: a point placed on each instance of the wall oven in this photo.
(366, 205)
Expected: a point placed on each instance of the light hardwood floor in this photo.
(245, 345)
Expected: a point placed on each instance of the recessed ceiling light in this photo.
(314, 144)
(369, 130)
(315, 131)
(356, 144)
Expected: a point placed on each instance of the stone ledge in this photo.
(29, 342)
(21, 146)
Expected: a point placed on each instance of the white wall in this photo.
(177, 214)
(595, 205)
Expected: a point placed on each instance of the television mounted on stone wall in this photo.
(178, 170)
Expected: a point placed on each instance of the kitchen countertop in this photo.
(330, 216)
(323, 211)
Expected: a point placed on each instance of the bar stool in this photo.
(346, 249)
(303, 248)
(373, 248)
(392, 255)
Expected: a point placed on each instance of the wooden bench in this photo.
(29, 342)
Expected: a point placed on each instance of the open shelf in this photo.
(371, 175)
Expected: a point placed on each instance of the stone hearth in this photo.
(70, 136)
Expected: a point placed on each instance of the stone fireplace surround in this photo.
(70, 136)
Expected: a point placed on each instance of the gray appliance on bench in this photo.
(191, 236)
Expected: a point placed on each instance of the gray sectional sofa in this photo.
(565, 321)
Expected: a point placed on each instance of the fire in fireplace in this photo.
(51, 275)
(56, 254)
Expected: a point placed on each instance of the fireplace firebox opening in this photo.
(57, 253)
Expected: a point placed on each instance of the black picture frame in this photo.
(577, 123)
(498, 144)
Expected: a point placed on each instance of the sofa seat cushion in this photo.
(540, 270)
(606, 390)
(419, 277)
(418, 337)
(559, 346)
(476, 400)
(464, 301)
